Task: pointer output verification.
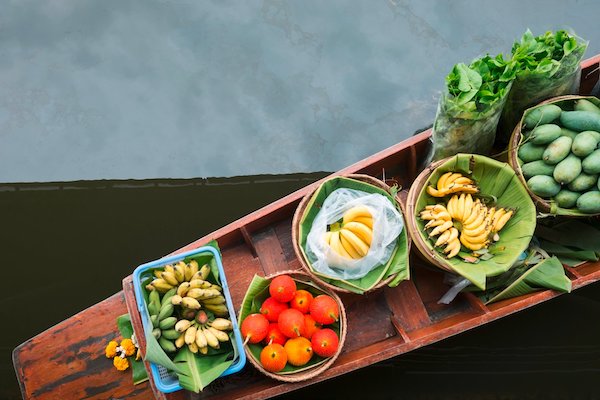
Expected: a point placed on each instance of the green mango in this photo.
(584, 144)
(567, 170)
(583, 182)
(537, 167)
(543, 186)
(542, 115)
(558, 150)
(530, 152)
(545, 134)
(568, 132)
(589, 202)
(566, 199)
(591, 164)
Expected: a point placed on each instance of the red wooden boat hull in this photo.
(67, 360)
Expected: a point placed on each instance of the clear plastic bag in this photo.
(551, 77)
(387, 226)
(464, 133)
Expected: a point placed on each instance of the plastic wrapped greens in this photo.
(469, 110)
(547, 66)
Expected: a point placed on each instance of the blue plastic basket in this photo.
(165, 380)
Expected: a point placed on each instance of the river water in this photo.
(112, 112)
(119, 89)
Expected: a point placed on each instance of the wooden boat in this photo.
(67, 360)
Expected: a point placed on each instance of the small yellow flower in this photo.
(121, 363)
(111, 349)
(128, 347)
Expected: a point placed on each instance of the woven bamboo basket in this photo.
(526, 210)
(543, 205)
(296, 231)
(301, 276)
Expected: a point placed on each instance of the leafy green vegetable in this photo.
(547, 66)
(468, 112)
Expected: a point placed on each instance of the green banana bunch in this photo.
(185, 285)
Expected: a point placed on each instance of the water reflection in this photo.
(129, 90)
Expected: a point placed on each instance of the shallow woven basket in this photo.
(541, 204)
(296, 229)
(310, 373)
(523, 231)
(424, 252)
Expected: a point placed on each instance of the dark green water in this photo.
(67, 246)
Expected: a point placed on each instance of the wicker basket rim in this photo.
(299, 213)
(312, 372)
(542, 204)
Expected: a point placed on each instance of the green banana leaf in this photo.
(257, 293)
(573, 241)
(138, 370)
(499, 182)
(548, 274)
(197, 372)
(398, 262)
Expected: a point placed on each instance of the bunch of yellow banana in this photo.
(440, 220)
(202, 333)
(172, 276)
(452, 182)
(353, 239)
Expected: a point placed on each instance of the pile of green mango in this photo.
(559, 154)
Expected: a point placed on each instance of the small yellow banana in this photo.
(361, 247)
(356, 212)
(453, 248)
(182, 325)
(191, 303)
(193, 347)
(215, 300)
(169, 268)
(447, 225)
(336, 245)
(435, 222)
(481, 238)
(211, 339)
(204, 271)
(361, 230)
(468, 206)
(502, 221)
(477, 209)
(183, 288)
(176, 300)
(200, 339)
(157, 273)
(451, 206)
(222, 324)
(480, 219)
(180, 271)
(450, 180)
(460, 212)
(443, 238)
(199, 283)
(161, 285)
(190, 269)
(220, 310)
(169, 277)
(349, 248)
(442, 180)
(180, 341)
(220, 335)
(368, 221)
(472, 246)
(190, 334)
